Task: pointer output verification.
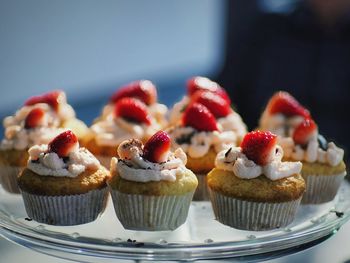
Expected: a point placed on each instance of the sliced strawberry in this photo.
(303, 133)
(259, 146)
(34, 118)
(144, 90)
(216, 104)
(52, 98)
(283, 102)
(64, 143)
(202, 83)
(133, 110)
(156, 149)
(199, 117)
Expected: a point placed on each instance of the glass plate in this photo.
(201, 237)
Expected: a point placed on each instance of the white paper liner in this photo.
(201, 193)
(66, 210)
(255, 216)
(151, 213)
(104, 160)
(8, 178)
(321, 188)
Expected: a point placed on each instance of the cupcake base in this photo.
(321, 188)
(8, 178)
(66, 210)
(201, 193)
(151, 213)
(254, 216)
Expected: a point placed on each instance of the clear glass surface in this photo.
(201, 237)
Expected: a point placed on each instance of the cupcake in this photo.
(63, 184)
(130, 119)
(215, 98)
(38, 121)
(251, 188)
(201, 137)
(150, 186)
(323, 165)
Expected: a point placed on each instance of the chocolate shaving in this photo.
(28, 219)
(228, 152)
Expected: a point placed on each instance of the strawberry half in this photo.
(34, 118)
(283, 102)
(199, 117)
(157, 148)
(202, 83)
(216, 104)
(52, 98)
(259, 146)
(133, 110)
(143, 90)
(64, 143)
(303, 133)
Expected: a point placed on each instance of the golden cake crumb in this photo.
(202, 165)
(14, 157)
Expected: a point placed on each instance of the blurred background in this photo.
(251, 47)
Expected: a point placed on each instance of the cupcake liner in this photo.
(104, 160)
(8, 178)
(151, 213)
(65, 210)
(255, 216)
(201, 193)
(321, 188)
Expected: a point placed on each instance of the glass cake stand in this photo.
(201, 237)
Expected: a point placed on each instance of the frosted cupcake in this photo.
(251, 188)
(151, 187)
(145, 91)
(38, 121)
(129, 119)
(215, 98)
(63, 184)
(201, 138)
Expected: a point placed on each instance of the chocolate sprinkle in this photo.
(28, 219)
(228, 152)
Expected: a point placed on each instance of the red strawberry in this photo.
(132, 110)
(157, 148)
(64, 143)
(144, 90)
(199, 117)
(52, 98)
(259, 146)
(34, 118)
(202, 83)
(216, 104)
(304, 131)
(283, 102)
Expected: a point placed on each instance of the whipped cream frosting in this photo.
(312, 152)
(138, 169)
(50, 164)
(196, 144)
(19, 138)
(235, 161)
(111, 130)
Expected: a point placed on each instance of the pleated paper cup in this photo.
(151, 213)
(66, 210)
(254, 216)
(201, 193)
(8, 178)
(321, 188)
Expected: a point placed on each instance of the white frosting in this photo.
(233, 122)
(200, 142)
(111, 131)
(140, 170)
(312, 153)
(237, 162)
(177, 110)
(50, 164)
(18, 138)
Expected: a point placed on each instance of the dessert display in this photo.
(323, 165)
(39, 120)
(133, 112)
(150, 186)
(63, 184)
(251, 188)
(215, 98)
